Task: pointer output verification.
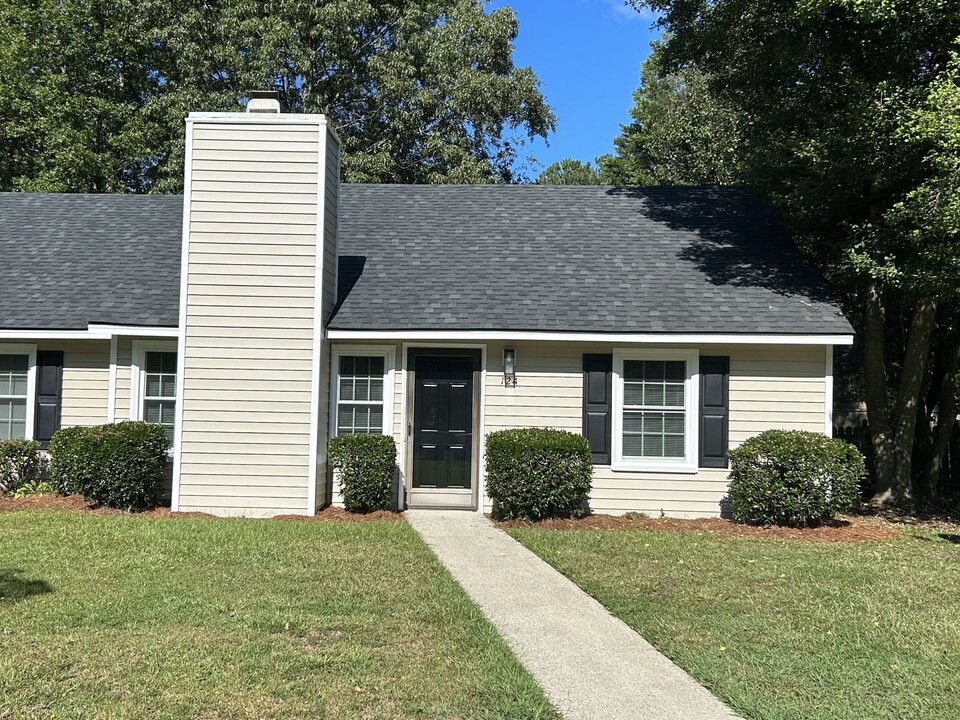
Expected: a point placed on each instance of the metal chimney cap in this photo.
(263, 101)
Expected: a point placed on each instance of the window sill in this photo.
(660, 468)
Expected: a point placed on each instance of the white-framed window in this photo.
(655, 406)
(361, 391)
(153, 388)
(17, 391)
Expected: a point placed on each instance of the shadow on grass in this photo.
(14, 588)
(950, 538)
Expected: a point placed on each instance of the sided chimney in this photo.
(264, 101)
(258, 273)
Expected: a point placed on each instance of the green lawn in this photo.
(785, 628)
(126, 617)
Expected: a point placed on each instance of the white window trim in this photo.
(687, 464)
(388, 353)
(31, 352)
(138, 377)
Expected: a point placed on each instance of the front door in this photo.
(443, 428)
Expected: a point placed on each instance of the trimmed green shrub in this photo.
(537, 473)
(794, 478)
(21, 463)
(119, 465)
(366, 465)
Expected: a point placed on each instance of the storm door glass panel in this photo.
(360, 395)
(654, 409)
(160, 390)
(14, 371)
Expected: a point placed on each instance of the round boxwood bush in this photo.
(21, 464)
(119, 465)
(366, 465)
(537, 473)
(793, 478)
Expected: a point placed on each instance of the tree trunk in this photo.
(875, 388)
(946, 409)
(899, 487)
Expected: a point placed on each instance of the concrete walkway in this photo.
(589, 663)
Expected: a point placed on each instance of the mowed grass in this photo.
(126, 617)
(785, 628)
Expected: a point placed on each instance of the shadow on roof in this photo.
(739, 240)
(349, 269)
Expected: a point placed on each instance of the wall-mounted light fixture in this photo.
(509, 366)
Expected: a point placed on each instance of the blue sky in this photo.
(587, 54)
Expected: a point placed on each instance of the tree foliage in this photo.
(92, 96)
(849, 123)
(681, 134)
(569, 172)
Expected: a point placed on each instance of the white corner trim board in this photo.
(112, 387)
(182, 329)
(828, 394)
(649, 338)
(318, 329)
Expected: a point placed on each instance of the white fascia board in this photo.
(647, 338)
(135, 330)
(93, 332)
(54, 335)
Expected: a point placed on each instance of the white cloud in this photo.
(623, 11)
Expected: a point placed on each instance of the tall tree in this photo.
(569, 172)
(92, 96)
(681, 134)
(841, 100)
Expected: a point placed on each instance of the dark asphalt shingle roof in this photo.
(68, 260)
(590, 259)
(573, 258)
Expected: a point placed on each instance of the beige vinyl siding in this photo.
(770, 387)
(328, 300)
(86, 380)
(246, 369)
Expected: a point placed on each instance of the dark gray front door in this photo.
(443, 421)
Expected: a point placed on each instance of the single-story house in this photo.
(271, 307)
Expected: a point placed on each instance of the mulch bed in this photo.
(334, 513)
(941, 517)
(76, 503)
(846, 530)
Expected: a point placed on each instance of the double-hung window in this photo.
(14, 395)
(362, 391)
(655, 411)
(160, 390)
(154, 392)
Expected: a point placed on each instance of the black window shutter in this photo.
(714, 411)
(49, 393)
(597, 401)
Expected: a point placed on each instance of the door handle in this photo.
(409, 429)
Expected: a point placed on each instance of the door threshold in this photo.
(441, 498)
